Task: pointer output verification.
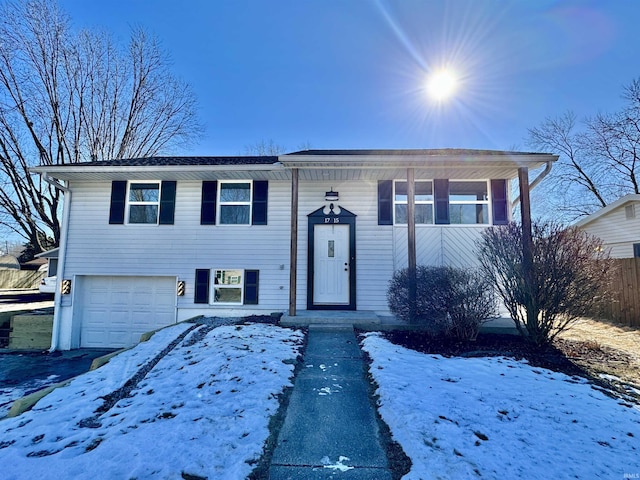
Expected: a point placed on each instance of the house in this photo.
(51, 259)
(148, 242)
(617, 225)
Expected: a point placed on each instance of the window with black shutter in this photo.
(499, 202)
(385, 202)
(202, 286)
(118, 202)
(208, 203)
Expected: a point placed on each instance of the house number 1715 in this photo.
(331, 220)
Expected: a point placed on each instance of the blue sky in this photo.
(351, 73)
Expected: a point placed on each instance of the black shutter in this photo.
(118, 199)
(202, 286)
(260, 200)
(167, 202)
(208, 204)
(636, 250)
(385, 202)
(499, 202)
(251, 278)
(441, 201)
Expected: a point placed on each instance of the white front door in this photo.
(331, 265)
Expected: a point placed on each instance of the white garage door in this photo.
(115, 311)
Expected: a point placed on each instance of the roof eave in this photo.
(633, 197)
(59, 171)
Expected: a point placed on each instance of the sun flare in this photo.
(442, 85)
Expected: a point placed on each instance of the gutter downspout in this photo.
(536, 181)
(61, 257)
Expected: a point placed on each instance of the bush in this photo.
(570, 274)
(449, 301)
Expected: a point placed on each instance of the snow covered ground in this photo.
(500, 418)
(10, 394)
(203, 410)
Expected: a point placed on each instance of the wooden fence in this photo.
(624, 304)
(20, 278)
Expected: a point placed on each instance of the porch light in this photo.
(180, 288)
(331, 196)
(65, 288)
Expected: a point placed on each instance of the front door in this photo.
(331, 260)
(331, 265)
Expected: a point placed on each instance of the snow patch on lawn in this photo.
(202, 410)
(500, 418)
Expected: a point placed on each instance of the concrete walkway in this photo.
(330, 428)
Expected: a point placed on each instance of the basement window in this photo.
(228, 287)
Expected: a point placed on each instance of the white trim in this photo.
(225, 286)
(416, 202)
(486, 202)
(220, 203)
(129, 203)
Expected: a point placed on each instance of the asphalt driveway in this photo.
(22, 373)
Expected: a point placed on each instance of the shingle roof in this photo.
(162, 161)
(423, 152)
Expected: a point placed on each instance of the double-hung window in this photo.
(143, 202)
(468, 202)
(235, 203)
(228, 286)
(423, 202)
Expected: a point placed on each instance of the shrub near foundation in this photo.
(450, 301)
(570, 276)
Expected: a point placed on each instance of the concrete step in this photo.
(328, 317)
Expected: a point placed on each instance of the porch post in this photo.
(527, 236)
(411, 242)
(293, 253)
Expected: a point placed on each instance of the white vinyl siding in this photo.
(183, 247)
(178, 250)
(617, 231)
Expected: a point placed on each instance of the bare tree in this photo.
(599, 156)
(270, 148)
(264, 148)
(68, 97)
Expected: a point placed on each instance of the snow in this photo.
(203, 410)
(500, 418)
(10, 394)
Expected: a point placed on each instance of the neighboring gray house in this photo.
(617, 225)
(148, 242)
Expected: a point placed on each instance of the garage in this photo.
(114, 310)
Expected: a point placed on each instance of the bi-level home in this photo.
(150, 241)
